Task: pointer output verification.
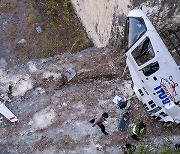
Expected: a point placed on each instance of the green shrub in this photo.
(142, 149)
(165, 149)
(67, 4)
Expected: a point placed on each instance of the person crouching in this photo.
(138, 129)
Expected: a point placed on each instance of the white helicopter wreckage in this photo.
(154, 70)
(3, 109)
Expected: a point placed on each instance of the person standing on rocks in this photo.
(99, 121)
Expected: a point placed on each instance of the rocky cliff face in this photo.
(105, 20)
(101, 17)
(163, 14)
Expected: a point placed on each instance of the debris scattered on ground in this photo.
(22, 41)
(39, 29)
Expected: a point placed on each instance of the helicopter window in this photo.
(158, 118)
(155, 110)
(152, 104)
(137, 28)
(146, 107)
(144, 52)
(154, 116)
(163, 114)
(150, 69)
(140, 91)
(171, 38)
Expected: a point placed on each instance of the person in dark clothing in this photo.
(177, 146)
(128, 148)
(9, 93)
(122, 104)
(135, 137)
(99, 121)
(139, 128)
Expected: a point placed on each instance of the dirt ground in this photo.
(54, 113)
(60, 29)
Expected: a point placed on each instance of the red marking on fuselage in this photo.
(167, 92)
(173, 86)
(12, 118)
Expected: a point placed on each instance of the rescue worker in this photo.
(138, 129)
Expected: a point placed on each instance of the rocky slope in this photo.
(54, 98)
